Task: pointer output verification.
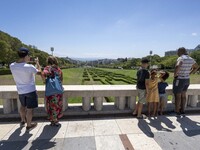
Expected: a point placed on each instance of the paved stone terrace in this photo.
(111, 133)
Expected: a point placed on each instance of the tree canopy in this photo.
(9, 46)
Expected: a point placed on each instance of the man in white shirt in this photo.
(24, 76)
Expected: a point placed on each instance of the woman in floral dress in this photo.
(54, 102)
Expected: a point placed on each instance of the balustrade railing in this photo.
(125, 96)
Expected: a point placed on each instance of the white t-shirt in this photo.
(24, 76)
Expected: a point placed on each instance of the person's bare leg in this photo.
(136, 109)
(149, 109)
(162, 103)
(23, 113)
(140, 106)
(155, 107)
(183, 101)
(29, 115)
(177, 102)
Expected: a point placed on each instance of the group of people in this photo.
(150, 85)
(24, 76)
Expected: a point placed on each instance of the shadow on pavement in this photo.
(46, 139)
(189, 127)
(155, 122)
(15, 141)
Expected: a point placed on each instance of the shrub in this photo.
(5, 71)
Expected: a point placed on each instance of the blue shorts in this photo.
(180, 85)
(29, 100)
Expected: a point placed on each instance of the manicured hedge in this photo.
(5, 71)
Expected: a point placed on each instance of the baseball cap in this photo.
(145, 60)
(24, 50)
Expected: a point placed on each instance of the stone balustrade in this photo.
(125, 96)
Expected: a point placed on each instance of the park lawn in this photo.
(72, 76)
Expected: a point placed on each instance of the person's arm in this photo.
(177, 68)
(147, 82)
(147, 86)
(194, 68)
(38, 67)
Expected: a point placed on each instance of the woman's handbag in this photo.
(53, 85)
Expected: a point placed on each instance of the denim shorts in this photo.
(163, 96)
(29, 100)
(180, 85)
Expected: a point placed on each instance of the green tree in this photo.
(196, 56)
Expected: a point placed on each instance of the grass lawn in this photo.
(73, 76)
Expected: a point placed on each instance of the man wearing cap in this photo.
(184, 67)
(24, 76)
(142, 83)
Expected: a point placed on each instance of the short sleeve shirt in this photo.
(161, 87)
(142, 75)
(24, 76)
(186, 66)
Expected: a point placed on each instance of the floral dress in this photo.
(54, 102)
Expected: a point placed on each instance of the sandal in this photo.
(134, 114)
(142, 117)
(33, 125)
(56, 123)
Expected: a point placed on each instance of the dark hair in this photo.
(51, 60)
(144, 61)
(182, 50)
(153, 71)
(22, 54)
(165, 76)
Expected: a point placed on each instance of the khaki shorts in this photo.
(141, 96)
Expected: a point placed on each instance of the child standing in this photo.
(161, 88)
(153, 95)
(142, 83)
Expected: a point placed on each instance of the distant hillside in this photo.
(174, 52)
(9, 46)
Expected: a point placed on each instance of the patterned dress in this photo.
(53, 102)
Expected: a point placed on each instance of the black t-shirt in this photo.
(142, 75)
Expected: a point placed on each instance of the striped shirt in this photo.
(186, 66)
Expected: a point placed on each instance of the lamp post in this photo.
(151, 52)
(52, 49)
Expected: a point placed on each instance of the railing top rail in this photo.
(6, 88)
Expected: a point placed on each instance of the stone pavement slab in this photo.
(163, 132)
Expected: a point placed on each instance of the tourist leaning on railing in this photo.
(142, 84)
(184, 67)
(53, 90)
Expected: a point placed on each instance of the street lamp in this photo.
(151, 52)
(52, 49)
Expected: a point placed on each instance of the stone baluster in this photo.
(122, 103)
(7, 106)
(193, 100)
(132, 102)
(86, 103)
(117, 102)
(65, 103)
(98, 103)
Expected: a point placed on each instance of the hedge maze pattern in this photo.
(105, 77)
